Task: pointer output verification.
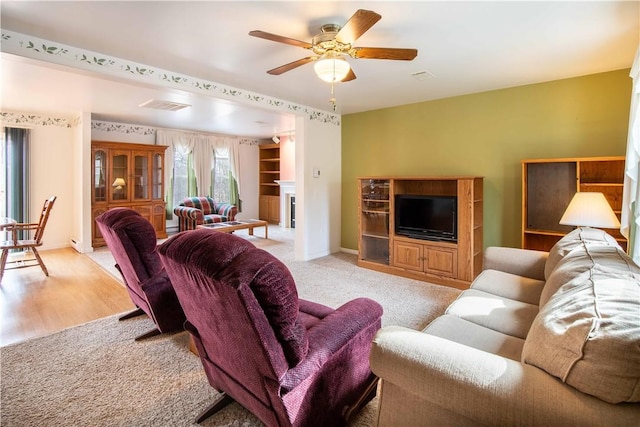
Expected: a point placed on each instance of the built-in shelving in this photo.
(269, 196)
(548, 186)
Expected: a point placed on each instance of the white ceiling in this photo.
(466, 47)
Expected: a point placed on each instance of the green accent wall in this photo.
(486, 134)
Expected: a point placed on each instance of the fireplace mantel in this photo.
(287, 190)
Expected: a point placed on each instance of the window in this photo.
(14, 183)
(220, 176)
(184, 176)
(180, 174)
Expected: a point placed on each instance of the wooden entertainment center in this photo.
(452, 263)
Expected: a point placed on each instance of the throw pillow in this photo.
(588, 335)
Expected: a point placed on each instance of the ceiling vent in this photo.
(157, 104)
(422, 75)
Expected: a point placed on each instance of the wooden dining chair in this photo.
(18, 240)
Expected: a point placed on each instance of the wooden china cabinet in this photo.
(128, 175)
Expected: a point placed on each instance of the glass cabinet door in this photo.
(140, 176)
(156, 176)
(120, 176)
(99, 176)
(374, 220)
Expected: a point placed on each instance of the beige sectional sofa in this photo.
(544, 339)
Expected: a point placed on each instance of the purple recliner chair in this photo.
(132, 242)
(289, 361)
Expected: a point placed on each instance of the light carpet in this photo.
(96, 375)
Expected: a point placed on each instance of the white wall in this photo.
(81, 221)
(287, 158)
(249, 177)
(52, 174)
(318, 199)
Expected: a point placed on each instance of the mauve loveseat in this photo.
(194, 211)
(540, 339)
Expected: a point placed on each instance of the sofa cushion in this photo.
(206, 204)
(588, 335)
(579, 237)
(521, 262)
(509, 285)
(495, 312)
(214, 218)
(582, 258)
(470, 334)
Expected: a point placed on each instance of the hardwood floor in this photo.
(77, 291)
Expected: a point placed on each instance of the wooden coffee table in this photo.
(243, 224)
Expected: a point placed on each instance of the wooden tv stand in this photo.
(448, 263)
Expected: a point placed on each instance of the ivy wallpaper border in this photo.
(122, 128)
(102, 126)
(8, 118)
(49, 51)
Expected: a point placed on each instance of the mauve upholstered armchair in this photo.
(289, 361)
(132, 242)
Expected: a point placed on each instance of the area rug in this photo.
(96, 374)
(336, 279)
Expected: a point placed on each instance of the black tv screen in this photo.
(426, 217)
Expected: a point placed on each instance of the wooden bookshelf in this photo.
(548, 185)
(269, 196)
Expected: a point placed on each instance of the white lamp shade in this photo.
(119, 182)
(590, 210)
(331, 67)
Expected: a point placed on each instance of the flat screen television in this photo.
(427, 217)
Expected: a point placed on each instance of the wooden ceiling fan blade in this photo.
(350, 76)
(290, 66)
(280, 39)
(385, 53)
(357, 25)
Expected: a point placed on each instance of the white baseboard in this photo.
(78, 246)
(349, 251)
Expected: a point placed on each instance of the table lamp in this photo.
(118, 183)
(590, 210)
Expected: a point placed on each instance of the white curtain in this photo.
(233, 144)
(203, 147)
(172, 140)
(630, 221)
(202, 162)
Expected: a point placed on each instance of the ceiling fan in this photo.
(333, 44)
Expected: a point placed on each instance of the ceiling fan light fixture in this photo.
(332, 67)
